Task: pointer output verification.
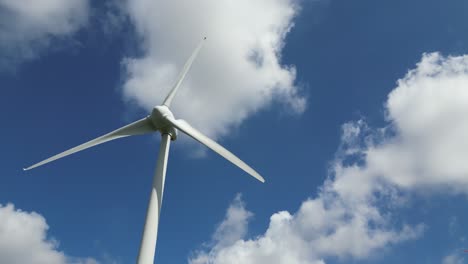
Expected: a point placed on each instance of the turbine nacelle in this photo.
(159, 119)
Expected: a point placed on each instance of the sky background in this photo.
(355, 113)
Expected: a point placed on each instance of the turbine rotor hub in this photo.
(159, 117)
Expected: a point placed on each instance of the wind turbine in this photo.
(160, 120)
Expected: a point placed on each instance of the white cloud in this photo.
(230, 230)
(28, 26)
(238, 71)
(234, 227)
(453, 259)
(424, 147)
(428, 113)
(23, 239)
(113, 18)
(321, 228)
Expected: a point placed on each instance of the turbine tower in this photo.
(160, 120)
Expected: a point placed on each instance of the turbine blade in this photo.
(139, 127)
(180, 78)
(185, 127)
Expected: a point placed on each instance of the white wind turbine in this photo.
(161, 119)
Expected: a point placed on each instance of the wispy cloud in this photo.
(238, 72)
(28, 27)
(22, 232)
(453, 258)
(423, 148)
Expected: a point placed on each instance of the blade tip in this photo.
(261, 179)
(29, 168)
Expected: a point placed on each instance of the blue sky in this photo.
(353, 111)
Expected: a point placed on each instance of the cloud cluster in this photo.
(28, 26)
(238, 72)
(423, 147)
(23, 239)
(322, 227)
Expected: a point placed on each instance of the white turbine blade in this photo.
(185, 127)
(180, 78)
(139, 127)
(150, 230)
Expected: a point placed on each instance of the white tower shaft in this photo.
(150, 230)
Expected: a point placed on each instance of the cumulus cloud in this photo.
(28, 26)
(230, 230)
(428, 113)
(23, 239)
(423, 147)
(238, 72)
(321, 228)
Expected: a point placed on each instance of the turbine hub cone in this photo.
(159, 117)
